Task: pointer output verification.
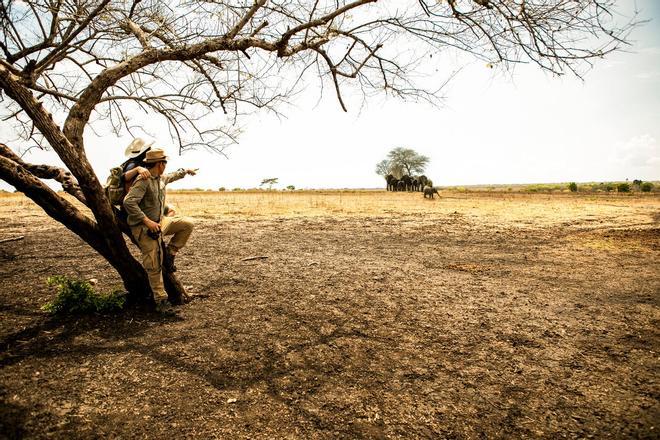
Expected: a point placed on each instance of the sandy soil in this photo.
(470, 316)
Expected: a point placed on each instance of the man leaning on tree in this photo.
(150, 218)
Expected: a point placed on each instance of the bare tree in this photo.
(200, 65)
(383, 167)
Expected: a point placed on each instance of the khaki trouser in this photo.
(152, 256)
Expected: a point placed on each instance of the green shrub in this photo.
(291, 187)
(646, 187)
(598, 187)
(222, 188)
(623, 187)
(77, 297)
(572, 186)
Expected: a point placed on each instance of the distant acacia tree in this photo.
(402, 161)
(200, 65)
(270, 182)
(408, 159)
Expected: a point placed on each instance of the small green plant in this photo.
(78, 297)
(646, 187)
(572, 187)
(623, 187)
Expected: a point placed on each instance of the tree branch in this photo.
(247, 17)
(55, 206)
(43, 64)
(68, 182)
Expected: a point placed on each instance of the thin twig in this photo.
(7, 240)
(258, 257)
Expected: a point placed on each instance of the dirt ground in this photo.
(374, 315)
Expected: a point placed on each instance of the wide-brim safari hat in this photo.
(155, 155)
(137, 147)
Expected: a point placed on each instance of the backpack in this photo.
(116, 187)
(115, 190)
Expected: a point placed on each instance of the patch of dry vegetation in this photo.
(489, 207)
(515, 208)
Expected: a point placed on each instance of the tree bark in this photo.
(176, 293)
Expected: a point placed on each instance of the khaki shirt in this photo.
(146, 198)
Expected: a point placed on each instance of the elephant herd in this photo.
(406, 183)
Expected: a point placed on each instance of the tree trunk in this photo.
(176, 294)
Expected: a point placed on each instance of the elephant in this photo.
(415, 185)
(391, 182)
(400, 185)
(423, 181)
(429, 191)
(407, 181)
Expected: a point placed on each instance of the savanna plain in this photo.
(349, 314)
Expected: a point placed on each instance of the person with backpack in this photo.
(150, 220)
(135, 152)
(122, 177)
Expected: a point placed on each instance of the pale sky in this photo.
(528, 127)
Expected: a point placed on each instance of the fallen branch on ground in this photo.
(6, 240)
(258, 257)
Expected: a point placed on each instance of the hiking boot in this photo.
(164, 307)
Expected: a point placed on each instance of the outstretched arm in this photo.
(179, 174)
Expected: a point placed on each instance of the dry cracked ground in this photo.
(480, 317)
